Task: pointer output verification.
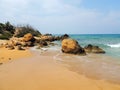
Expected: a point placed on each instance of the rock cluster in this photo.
(71, 46)
(28, 40)
(20, 43)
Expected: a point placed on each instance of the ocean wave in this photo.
(114, 45)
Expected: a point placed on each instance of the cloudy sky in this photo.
(64, 16)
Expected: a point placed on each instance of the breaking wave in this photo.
(114, 45)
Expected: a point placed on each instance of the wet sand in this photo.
(43, 72)
(99, 67)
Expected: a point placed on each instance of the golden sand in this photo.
(42, 72)
(8, 55)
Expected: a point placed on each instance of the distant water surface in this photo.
(109, 42)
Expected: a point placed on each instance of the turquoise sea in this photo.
(99, 66)
(109, 42)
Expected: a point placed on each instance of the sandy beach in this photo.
(43, 72)
(10, 55)
(60, 45)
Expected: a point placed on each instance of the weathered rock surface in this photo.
(47, 38)
(72, 46)
(93, 49)
(28, 37)
(65, 36)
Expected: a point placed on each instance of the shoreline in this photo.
(43, 72)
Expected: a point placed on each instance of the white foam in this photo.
(114, 45)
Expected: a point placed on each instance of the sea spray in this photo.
(114, 45)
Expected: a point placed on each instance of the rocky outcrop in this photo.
(72, 46)
(93, 49)
(57, 38)
(47, 38)
(28, 37)
(50, 37)
(65, 36)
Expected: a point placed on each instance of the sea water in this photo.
(99, 66)
(109, 42)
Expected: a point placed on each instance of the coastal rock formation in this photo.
(65, 36)
(72, 46)
(50, 37)
(47, 38)
(29, 40)
(57, 38)
(93, 49)
(28, 37)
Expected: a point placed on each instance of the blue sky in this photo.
(64, 16)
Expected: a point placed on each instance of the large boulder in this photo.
(28, 37)
(72, 46)
(93, 49)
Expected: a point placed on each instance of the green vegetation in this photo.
(22, 30)
(7, 30)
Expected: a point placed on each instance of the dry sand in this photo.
(8, 55)
(42, 72)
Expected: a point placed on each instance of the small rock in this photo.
(19, 47)
(9, 58)
(30, 44)
(10, 47)
(52, 44)
(38, 47)
(65, 36)
(93, 49)
(1, 63)
(43, 43)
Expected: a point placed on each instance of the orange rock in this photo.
(93, 49)
(27, 37)
(72, 46)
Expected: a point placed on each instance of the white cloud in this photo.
(54, 15)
